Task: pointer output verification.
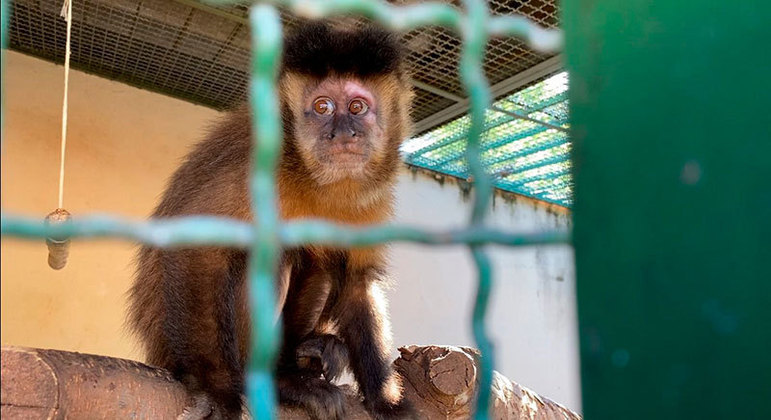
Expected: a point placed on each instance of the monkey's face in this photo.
(339, 129)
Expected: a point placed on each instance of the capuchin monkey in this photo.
(345, 99)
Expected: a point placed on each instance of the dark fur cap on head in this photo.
(316, 49)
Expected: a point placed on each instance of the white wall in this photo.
(532, 317)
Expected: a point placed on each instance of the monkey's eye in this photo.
(324, 106)
(357, 106)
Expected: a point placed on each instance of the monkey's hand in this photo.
(322, 354)
(319, 398)
(200, 409)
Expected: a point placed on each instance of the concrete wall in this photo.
(125, 142)
(532, 317)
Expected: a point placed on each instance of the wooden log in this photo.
(440, 381)
(42, 384)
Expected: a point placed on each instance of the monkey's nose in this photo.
(343, 135)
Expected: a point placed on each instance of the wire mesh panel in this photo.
(265, 237)
(200, 52)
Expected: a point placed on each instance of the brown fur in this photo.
(189, 306)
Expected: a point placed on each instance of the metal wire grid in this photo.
(200, 53)
(268, 233)
(524, 156)
(157, 43)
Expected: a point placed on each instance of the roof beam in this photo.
(531, 119)
(214, 11)
(511, 84)
(436, 91)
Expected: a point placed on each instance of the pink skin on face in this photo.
(342, 92)
(354, 90)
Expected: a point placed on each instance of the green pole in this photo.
(672, 163)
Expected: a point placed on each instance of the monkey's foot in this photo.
(383, 410)
(203, 407)
(323, 354)
(199, 410)
(319, 398)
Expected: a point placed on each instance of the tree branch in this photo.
(439, 381)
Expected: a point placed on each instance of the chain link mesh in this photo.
(265, 237)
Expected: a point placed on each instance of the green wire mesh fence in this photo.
(268, 234)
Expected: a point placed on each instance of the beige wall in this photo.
(122, 144)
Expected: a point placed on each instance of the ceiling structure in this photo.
(200, 53)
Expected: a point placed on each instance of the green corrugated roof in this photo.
(525, 146)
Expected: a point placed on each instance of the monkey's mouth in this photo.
(347, 161)
(347, 154)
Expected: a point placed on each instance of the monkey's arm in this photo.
(189, 306)
(302, 359)
(363, 326)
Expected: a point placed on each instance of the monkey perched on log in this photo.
(345, 98)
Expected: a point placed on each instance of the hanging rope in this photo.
(59, 248)
(66, 13)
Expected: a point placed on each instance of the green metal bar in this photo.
(325, 233)
(481, 336)
(198, 230)
(267, 131)
(3, 24)
(672, 223)
(473, 78)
